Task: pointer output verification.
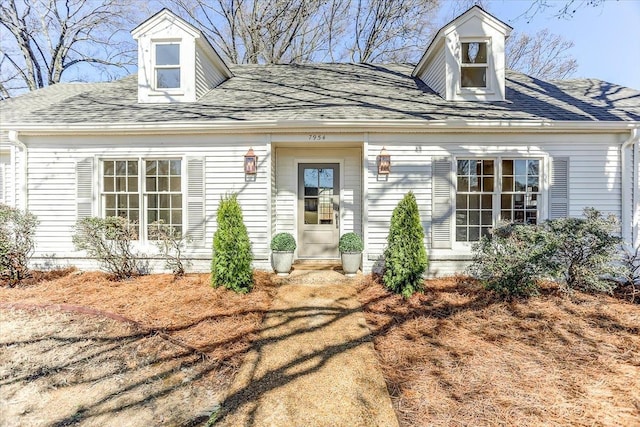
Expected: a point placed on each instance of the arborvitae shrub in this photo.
(231, 264)
(17, 233)
(405, 257)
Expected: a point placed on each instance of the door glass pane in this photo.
(311, 211)
(311, 182)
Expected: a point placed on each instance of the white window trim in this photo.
(155, 90)
(143, 238)
(465, 247)
(488, 89)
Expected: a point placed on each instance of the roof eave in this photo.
(377, 126)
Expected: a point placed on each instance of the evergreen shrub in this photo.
(350, 242)
(405, 256)
(585, 250)
(512, 259)
(283, 242)
(231, 263)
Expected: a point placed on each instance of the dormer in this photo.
(176, 62)
(466, 61)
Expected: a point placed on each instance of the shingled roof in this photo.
(324, 92)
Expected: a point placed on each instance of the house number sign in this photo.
(317, 137)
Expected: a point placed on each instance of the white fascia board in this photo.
(164, 14)
(378, 126)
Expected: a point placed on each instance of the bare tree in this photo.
(544, 55)
(259, 31)
(390, 30)
(43, 39)
(562, 9)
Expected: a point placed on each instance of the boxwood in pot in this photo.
(350, 247)
(282, 245)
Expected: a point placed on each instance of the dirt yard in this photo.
(457, 356)
(80, 348)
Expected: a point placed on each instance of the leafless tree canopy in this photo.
(43, 39)
(543, 55)
(292, 31)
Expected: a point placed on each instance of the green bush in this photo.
(350, 242)
(109, 240)
(171, 243)
(283, 242)
(405, 256)
(17, 233)
(579, 253)
(231, 264)
(512, 259)
(585, 250)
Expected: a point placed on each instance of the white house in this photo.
(475, 142)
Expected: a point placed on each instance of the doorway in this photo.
(318, 210)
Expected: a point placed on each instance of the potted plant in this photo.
(282, 245)
(350, 246)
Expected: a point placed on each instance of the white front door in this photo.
(318, 210)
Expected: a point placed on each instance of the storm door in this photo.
(318, 210)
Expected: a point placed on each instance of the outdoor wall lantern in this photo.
(384, 162)
(250, 162)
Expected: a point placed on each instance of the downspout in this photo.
(15, 140)
(630, 201)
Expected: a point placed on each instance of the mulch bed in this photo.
(458, 355)
(214, 321)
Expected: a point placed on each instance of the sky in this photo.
(606, 37)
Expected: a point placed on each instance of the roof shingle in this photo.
(325, 92)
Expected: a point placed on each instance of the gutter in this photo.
(630, 200)
(15, 140)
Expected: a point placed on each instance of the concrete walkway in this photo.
(314, 363)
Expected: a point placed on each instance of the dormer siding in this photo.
(451, 70)
(435, 73)
(162, 77)
(207, 76)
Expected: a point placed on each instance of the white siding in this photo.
(287, 181)
(207, 76)
(52, 187)
(595, 179)
(434, 74)
(269, 200)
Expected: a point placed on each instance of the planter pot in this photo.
(350, 263)
(281, 262)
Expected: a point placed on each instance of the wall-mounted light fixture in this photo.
(384, 162)
(250, 162)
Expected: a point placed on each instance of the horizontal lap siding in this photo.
(594, 175)
(435, 73)
(224, 174)
(410, 170)
(287, 181)
(52, 187)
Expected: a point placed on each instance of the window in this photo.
(167, 66)
(153, 186)
(473, 68)
(489, 191)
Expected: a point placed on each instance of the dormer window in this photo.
(167, 66)
(473, 67)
